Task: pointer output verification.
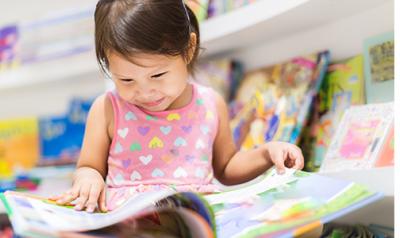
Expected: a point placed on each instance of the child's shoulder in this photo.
(102, 101)
(208, 92)
(102, 106)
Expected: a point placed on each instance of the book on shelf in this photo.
(61, 136)
(359, 141)
(342, 87)
(276, 100)
(19, 143)
(379, 67)
(279, 205)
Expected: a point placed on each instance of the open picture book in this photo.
(272, 205)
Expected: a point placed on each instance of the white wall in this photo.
(343, 37)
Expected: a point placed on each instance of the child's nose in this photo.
(146, 94)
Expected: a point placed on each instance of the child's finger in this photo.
(56, 197)
(83, 197)
(93, 198)
(280, 162)
(102, 200)
(69, 196)
(297, 158)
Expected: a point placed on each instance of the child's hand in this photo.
(283, 155)
(88, 191)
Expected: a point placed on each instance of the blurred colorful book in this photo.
(19, 143)
(9, 40)
(223, 75)
(61, 137)
(342, 87)
(379, 68)
(199, 8)
(282, 107)
(386, 155)
(359, 138)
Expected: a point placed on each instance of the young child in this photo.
(157, 129)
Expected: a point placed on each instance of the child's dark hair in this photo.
(144, 26)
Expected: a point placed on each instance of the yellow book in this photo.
(19, 142)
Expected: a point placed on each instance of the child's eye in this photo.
(127, 80)
(158, 75)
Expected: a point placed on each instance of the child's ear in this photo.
(192, 47)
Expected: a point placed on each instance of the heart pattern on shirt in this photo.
(123, 132)
(180, 142)
(167, 146)
(130, 116)
(157, 173)
(156, 143)
(165, 129)
(146, 159)
(180, 172)
(173, 116)
(143, 130)
(135, 176)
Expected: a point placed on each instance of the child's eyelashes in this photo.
(156, 76)
(127, 80)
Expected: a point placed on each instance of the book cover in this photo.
(286, 92)
(61, 136)
(342, 87)
(19, 142)
(58, 144)
(359, 138)
(379, 68)
(386, 155)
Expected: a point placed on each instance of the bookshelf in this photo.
(276, 31)
(271, 20)
(67, 68)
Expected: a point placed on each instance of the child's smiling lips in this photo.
(153, 103)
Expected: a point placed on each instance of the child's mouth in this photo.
(153, 103)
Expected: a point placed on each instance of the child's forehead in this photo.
(144, 60)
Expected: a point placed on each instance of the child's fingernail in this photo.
(78, 207)
(90, 209)
(281, 171)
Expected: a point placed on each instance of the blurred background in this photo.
(303, 61)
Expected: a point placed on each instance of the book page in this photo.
(39, 214)
(271, 181)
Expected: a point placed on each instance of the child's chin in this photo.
(159, 108)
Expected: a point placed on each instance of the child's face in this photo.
(152, 82)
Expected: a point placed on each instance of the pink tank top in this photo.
(153, 150)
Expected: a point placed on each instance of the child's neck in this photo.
(184, 99)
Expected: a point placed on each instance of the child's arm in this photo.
(88, 187)
(233, 167)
